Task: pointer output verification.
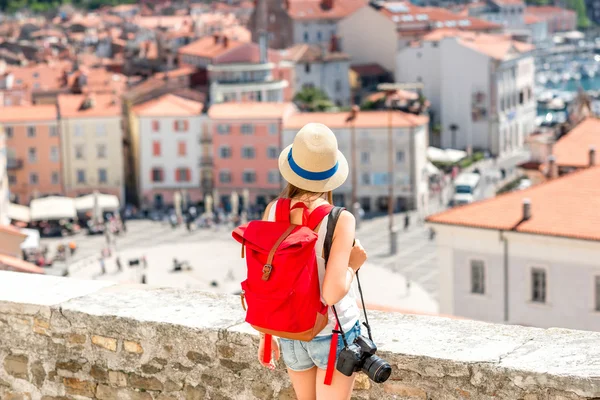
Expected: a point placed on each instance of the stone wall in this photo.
(68, 339)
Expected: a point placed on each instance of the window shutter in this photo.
(175, 126)
(162, 176)
(188, 175)
(186, 125)
(151, 175)
(155, 126)
(177, 175)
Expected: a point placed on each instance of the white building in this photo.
(371, 154)
(4, 194)
(508, 13)
(528, 257)
(168, 150)
(317, 67)
(480, 87)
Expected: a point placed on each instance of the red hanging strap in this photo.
(267, 349)
(282, 210)
(317, 215)
(332, 357)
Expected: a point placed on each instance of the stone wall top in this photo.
(183, 339)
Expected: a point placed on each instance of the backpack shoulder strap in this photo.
(282, 211)
(334, 215)
(317, 215)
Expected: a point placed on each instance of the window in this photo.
(248, 152)
(79, 152)
(32, 154)
(181, 126)
(521, 97)
(247, 129)
(307, 68)
(182, 175)
(155, 126)
(100, 130)
(274, 176)
(319, 36)
(225, 152)
(249, 177)
(102, 176)
(12, 179)
(225, 176)
(306, 37)
(101, 151)
(418, 54)
(366, 179)
(597, 290)
(78, 130)
(477, 277)
(338, 86)
(33, 178)
(181, 149)
(157, 175)
(273, 129)
(156, 148)
(538, 285)
(54, 153)
(400, 156)
(272, 152)
(80, 176)
(53, 131)
(365, 157)
(31, 131)
(54, 178)
(9, 131)
(36, 75)
(223, 129)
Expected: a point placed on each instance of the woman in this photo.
(313, 167)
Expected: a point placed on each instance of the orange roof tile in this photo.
(169, 105)
(250, 110)
(104, 105)
(32, 113)
(40, 76)
(238, 33)
(312, 9)
(509, 2)
(532, 19)
(547, 10)
(16, 264)
(564, 207)
(572, 150)
(183, 71)
(206, 47)
(364, 119)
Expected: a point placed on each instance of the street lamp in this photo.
(352, 119)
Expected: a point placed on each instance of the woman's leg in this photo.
(304, 383)
(340, 388)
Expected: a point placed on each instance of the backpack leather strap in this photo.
(282, 210)
(268, 267)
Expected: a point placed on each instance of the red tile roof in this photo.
(572, 150)
(364, 119)
(34, 113)
(250, 110)
(104, 105)
(368, 69)
(509, 2)
(169, 105)
(207, 48)
(564, 207)
(313, 9)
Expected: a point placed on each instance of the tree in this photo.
(579, 7)
(313, 99)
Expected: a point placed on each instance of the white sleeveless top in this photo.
(347, 309)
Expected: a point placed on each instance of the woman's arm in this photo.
(344, 260)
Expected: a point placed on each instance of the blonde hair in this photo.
(294, 192)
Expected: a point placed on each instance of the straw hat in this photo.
(313, 162)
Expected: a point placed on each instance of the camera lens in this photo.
(377, 369)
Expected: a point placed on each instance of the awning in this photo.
(432, 169)
(18, 212)
(106, 202)
(52, 208)
(9, 263)
(32, 241)
(447, 156)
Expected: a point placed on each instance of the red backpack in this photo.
(282, 291)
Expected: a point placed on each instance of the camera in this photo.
(360, 355)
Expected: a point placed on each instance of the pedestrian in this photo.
(144, 262)
(143, 280)
(406, 221)
(119, 266)
(102, 266)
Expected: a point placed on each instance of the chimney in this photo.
(333, 44)
(225, 41)
(326, 4)
(526, 209)
(592, 156)
(216, 38)
(552, 167)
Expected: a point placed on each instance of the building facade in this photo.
(508, 13)
(32, 150)
(170, 131)
(246, 147)
(91, 144)
(4, 191)
(557, 19)
(371, 130)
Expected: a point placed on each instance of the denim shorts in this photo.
(301, 356)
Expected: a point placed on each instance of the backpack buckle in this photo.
(266, 272)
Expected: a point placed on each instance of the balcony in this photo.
(206, 162)
(14, 163)
(205, 138)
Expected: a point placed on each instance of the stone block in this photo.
(16, 365)
(98, 373)
(180, 367)
(105, 342)
(163, 396)
(141, 382)
(132, 347)
(530, 396)
(17, 396)
(155, 365)
(407, 391)
(171, 386)
(76, 338)
(78, 387)
(362, 382)
(286, 394)
(262, 391)
(225, 351)
(194, 392)
(236, 367)
(54, 398)
(71, 365)
(38, 374)
(211, 380)
(117, 378)
(41, 326)
(109, 393)
(199, 358)
(463, 393)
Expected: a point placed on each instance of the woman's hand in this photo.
(358, 256)
(274, 349)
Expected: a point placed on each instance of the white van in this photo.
(465, 186)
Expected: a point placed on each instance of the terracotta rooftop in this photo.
(183, 71)
(509, 2)
(572, 150)
(161, 21)
(169, 105)
(103, 105)
(368, 69)
(532, 19)
(364, 119)
(313, 9)
(547, 10)
(33, 113)
(312, 53)
(40, 76)
(207, 48)
(250, 110)
(564, 207)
